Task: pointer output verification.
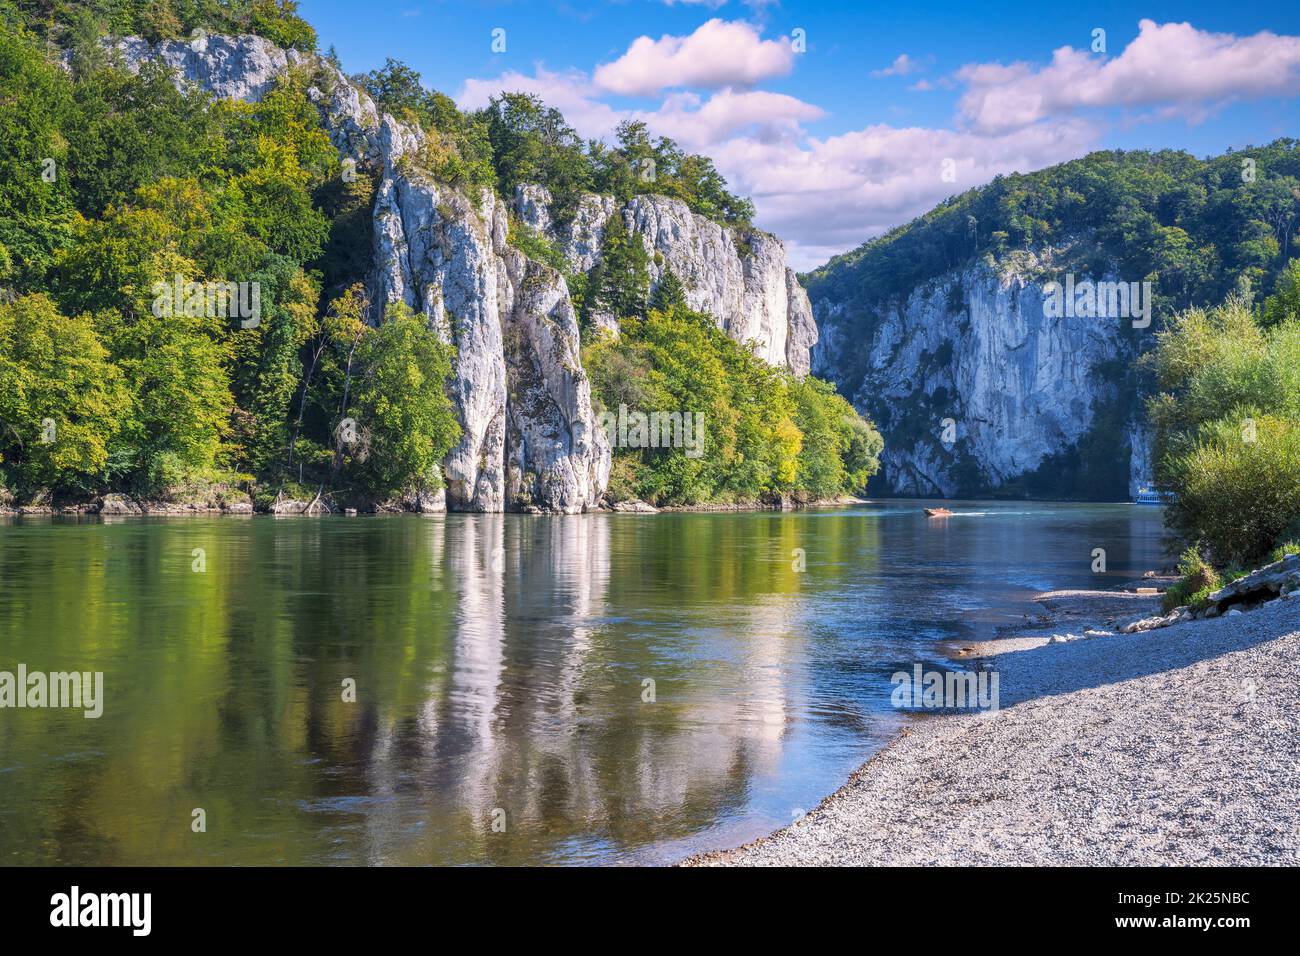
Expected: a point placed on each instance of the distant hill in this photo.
(943, 319)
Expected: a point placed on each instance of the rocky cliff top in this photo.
(739, 276)
(530, 435)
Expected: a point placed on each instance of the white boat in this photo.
(1149, 496)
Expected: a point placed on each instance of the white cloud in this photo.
(902, 66)
(718, 54)
(828, 195)
(825, 195)
(767, 116)
(821, 196)
(693, 121)
(1174, 66)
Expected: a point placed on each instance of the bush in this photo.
(1283, 551)
(535, 246)
(1228, 430)
(1237, 495)
(622, 479)
(1198, 582)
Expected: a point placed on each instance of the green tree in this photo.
(278, 21)
(764, 432)
(176, 372)
(621, 280)
(1227, 421)
(1284, 303)
(36, 202)
(61, 399)
(531, 143)
(405, 418)
(457, 148)
(644, 164)
(668, 293)
(840, 450)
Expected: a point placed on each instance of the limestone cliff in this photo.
(738, 276)
(976, 389)
(530, 435)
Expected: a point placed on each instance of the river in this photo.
(488, 689)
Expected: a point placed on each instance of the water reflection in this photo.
(501, 667)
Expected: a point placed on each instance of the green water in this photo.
(501, 667)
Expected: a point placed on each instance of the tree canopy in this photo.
(77, 21)
(763, 432)
(118, 188)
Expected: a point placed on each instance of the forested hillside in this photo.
(127, 204)
(896, 313)
(1200, 227)
(79, 23)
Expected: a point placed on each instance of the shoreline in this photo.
(1175, 746)
(120, 506)
(117, 505)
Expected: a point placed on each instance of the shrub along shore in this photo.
(1227, 428)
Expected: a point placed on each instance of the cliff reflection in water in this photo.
(540, 713)
(500, 665)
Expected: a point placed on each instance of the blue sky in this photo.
(840, 139)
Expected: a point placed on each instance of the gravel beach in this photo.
(1178, 746)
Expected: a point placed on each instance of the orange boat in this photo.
(938, 512)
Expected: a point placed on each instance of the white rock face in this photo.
(739, 277)
(975, 347)
(530, 435)
(246, 68)
(1141, 468)
(558, 456)
(230, 67)
(580, 239)
(532, 206)
(349, 115)
(802, 334)
(437, 254)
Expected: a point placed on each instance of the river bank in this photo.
(237, 503)
(1169, 747)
